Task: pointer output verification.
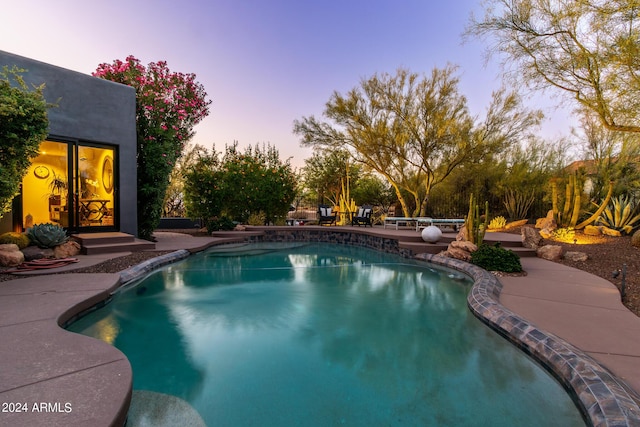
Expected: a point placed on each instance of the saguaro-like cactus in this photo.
(474, 224)
(568, 218)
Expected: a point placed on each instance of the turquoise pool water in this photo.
(323, 335)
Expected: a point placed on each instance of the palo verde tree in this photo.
(168, 106)
(414, 130)
(589, 49)
(23, 126)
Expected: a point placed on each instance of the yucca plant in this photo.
(47, 235)
(618, 214)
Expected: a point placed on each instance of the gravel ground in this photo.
(605, 254)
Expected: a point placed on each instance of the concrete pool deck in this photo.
(53, 377)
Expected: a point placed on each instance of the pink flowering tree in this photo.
(168, 106)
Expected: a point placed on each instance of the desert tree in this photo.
(414, 130)
(588, 49)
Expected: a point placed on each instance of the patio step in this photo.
(436, 248)
(106, 243)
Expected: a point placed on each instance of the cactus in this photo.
(19, 239)
(635, 239)
(47, 235)
(474, 224)
(573, 202)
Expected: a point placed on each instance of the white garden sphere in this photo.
(431, 234)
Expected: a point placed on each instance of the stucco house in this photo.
(84, 177)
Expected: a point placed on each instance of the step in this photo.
(108, 248)
(436, 248)
(103, 238)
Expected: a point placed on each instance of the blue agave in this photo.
(47, 235)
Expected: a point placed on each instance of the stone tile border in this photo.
(603, 399)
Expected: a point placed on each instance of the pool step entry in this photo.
(106, 243)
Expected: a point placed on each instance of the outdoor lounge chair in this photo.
(362, 216)
(326, 216)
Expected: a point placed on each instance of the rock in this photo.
(592, 230)
(576, 256)
(545, 233)
(531, 238)
(462, 234)
(33, 252)
(548, 222)
(550, 252)
(464, 245)
(516, 224)
(239, 227)
(10, 255)
(66, 250)
(458, 253)
(610, 232)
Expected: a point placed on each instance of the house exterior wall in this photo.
(93, 110)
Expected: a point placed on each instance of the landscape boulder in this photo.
(592, 230)
(10, 255)
(609, 232)
(550, 252)
(464, 245)
(548, 222)
(68, 249)
(531, 237)
(576, 256)
(516, 224)
(457, 253)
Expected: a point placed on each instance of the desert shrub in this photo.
(497, 223)
(496, 258)
(564, 234)
(19, 239)
(635, 239)
(223, 223)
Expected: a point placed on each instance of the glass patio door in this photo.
(71, 184)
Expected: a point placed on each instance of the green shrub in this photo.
(495, 258)
(223, 223)
(47, 235)
(20, 239)
(257, 218)
(635, 239)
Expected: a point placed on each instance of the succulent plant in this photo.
(47, 235)
(497, 223)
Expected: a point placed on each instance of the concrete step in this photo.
(436, 248)
(106, 243)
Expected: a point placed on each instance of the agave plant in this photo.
(618, 215)
(47, 235)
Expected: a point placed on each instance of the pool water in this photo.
(323, 335)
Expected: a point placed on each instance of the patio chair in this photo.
(326, 216)
(363, 216)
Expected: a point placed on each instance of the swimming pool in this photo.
(323, 335)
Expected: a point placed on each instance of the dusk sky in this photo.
(264, 63)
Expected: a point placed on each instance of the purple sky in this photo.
(263, 63)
